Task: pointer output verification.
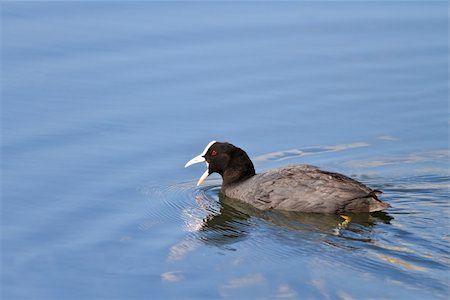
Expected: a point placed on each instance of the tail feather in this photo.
(377, 205)
(370, 203)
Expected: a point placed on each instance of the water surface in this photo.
(104, 102)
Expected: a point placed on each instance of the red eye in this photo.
(214, 153)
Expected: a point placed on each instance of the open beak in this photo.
(198, 159)
(195, 160)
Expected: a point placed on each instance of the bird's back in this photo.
(305, 188)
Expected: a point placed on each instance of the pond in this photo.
(103, 103)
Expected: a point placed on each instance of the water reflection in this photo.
(226, 225)
(234, 219)
(295, 153)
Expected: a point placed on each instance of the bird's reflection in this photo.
(231, 220)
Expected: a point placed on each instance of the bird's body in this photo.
(301, 188)
(305, 188)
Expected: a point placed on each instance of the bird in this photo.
(298, 188)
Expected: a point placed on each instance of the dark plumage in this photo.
(301, 188)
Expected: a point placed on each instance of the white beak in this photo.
(195, 160)
(198, 159)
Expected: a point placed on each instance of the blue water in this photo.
(102, 104)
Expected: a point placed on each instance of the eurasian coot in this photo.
(301, 188)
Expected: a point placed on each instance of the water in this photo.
(104, 102)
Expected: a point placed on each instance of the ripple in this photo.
(210, 218)
(295, 153)
(393, 240)
(175, 202)
(441, 155)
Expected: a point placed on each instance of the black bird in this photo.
(301, 188)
